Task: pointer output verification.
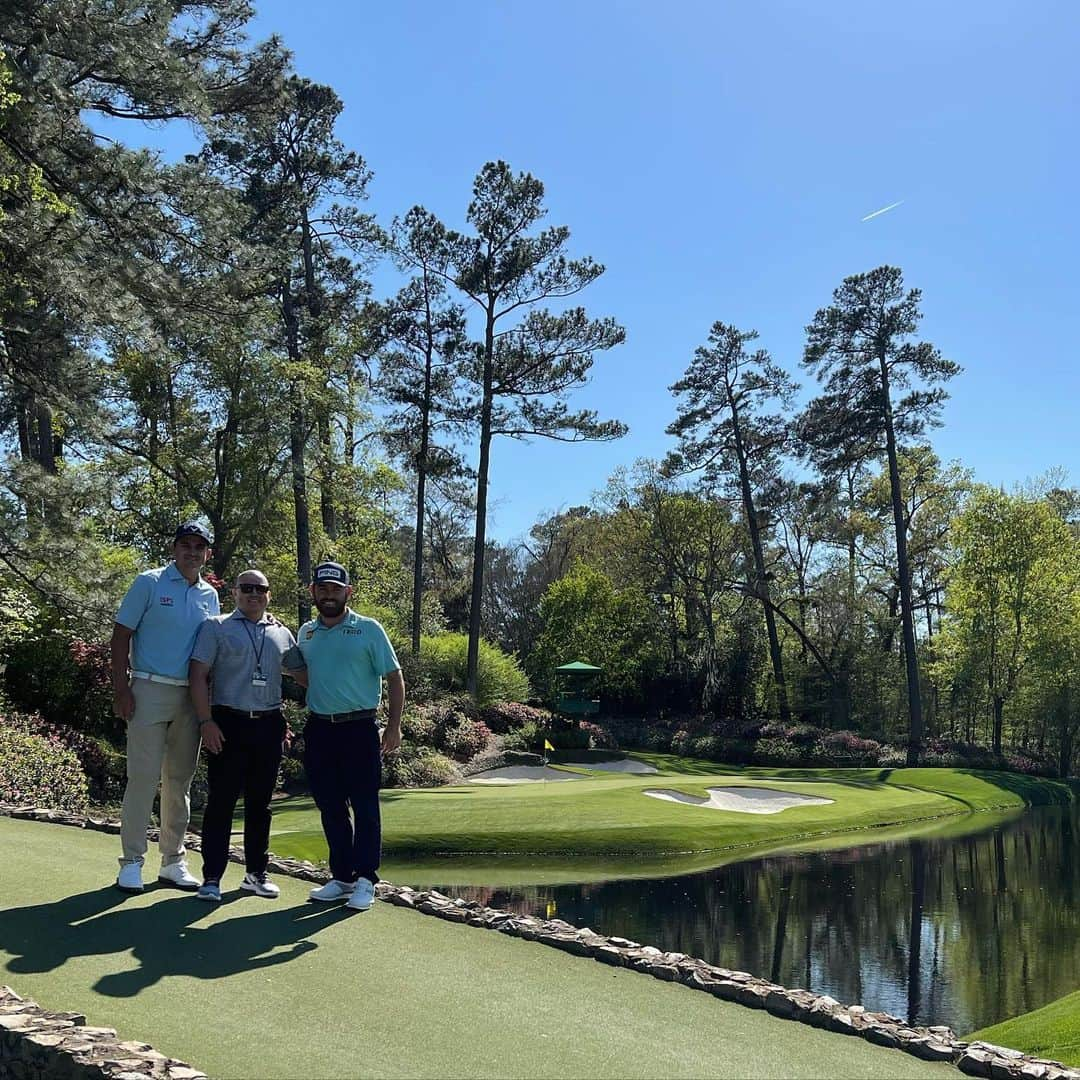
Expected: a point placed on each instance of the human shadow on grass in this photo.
(161, 936)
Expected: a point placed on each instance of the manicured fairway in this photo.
(608, 814)
(1050, 1032)
(253, 988)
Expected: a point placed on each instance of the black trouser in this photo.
(247, 765)
(344, 769)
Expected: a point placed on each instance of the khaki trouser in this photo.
(162, 742)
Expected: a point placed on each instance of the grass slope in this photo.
(607, 816)
(1050, 1032)
(287, 989)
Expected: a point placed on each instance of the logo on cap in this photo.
(331, 571)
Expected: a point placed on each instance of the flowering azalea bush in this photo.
(41, 771)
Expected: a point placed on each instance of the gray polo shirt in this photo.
(235, 648)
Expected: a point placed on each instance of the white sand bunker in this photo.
(521, 774)
(626, 765)
(742, 800)
(532, 774)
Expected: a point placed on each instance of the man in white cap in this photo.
(347, 657)
(151, 642)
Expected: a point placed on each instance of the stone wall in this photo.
(818, 1010)
(39, 1045)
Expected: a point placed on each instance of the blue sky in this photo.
(718, 158)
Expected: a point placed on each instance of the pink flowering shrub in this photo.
(39, 770)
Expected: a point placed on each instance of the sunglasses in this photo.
(250, 587)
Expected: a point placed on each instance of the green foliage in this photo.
(414, 766)
(66, 681)
(40, 771)
(586, 618)
(444, 663)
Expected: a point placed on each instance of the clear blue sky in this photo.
(718, 158)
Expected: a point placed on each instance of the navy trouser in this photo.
(247, 765)
(344, 769)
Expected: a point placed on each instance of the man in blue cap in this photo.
(152, 640)
(347, 657)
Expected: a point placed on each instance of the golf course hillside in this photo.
(1051, 1032)
(605, 816)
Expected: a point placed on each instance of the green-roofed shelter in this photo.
(576, 694)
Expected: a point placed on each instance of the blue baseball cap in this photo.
(193, 528)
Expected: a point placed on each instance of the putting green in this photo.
(288, 989)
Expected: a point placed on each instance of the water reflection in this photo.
(964, 931)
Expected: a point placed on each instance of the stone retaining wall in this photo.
(39, 1045)
(935, 1043)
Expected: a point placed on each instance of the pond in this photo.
(964, 930)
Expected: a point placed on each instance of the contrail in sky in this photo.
(883, 210)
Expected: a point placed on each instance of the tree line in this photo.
(201, 338)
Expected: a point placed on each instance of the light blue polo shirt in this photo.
(165, 612)
(345, 663)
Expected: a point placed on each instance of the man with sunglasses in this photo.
(347, 656)
(243, 729)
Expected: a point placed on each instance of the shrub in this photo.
(779, 751)
(845, 748)
(418, 725)
(292, 777)
(413, 766)
(466, 739)
(568, 737)
(66, 681)
(892, 757)
(528, 738)
(505, 716)
(104, 767)
(40, 770)
(599, 737)
(443, 660)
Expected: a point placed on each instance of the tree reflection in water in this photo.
(963, 931)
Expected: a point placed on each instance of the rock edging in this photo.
(935, 1043)
(35, 1043)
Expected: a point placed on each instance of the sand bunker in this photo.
(626, 765)
(521, 774)
(532, 774)
(742, 800)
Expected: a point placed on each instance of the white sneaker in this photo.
(130, 877)
(363, 896)
(178, 875)
(332, 891)
(260, 885)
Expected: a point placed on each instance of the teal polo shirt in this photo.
(345, 663)
(165, 613)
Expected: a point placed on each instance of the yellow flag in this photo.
(548, 746)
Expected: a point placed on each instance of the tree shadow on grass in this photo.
(161, 935)
(1035, 791)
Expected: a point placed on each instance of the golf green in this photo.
(609, 815)
(255, 988)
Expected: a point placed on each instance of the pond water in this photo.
(965, 931)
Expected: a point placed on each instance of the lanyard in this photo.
(258, 651)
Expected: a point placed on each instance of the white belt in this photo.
(158, 678)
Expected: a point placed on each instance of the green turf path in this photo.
(291, 989)
(608, 815)
(1050, 1032)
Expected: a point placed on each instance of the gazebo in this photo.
(576, 688)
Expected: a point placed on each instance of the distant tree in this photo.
(302, 187)
(1012, 591)
(528, 358)
(724, 434)
(418, 373)
(860, 348)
